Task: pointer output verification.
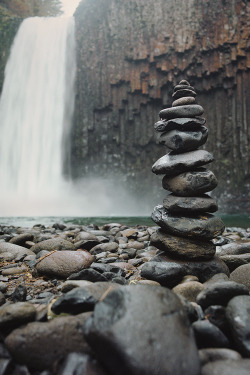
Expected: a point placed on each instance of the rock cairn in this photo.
(186, 223)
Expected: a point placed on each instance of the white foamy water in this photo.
(36, 109)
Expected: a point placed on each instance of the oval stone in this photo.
(181, 111)
(186, 205)
(183, 101)
(191, 183)
(172, 164)
(202, 226)
(183, 92)
(185, 123)
(183, 141)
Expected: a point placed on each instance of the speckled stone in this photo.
(191, 183)
(180, 205)
(191, 110)
(172, 164)
(183, 141)
(184, 101)
(187, 123)
(200, 227)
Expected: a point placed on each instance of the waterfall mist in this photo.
(36, 110)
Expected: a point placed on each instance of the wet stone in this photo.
(220, 293)
(191, 183)
(183, 247)
(138, 350)
(172, 164)
(237, 314)
(217, 354)
(183, 101)
(227, 367)
(183, 141)
(88, 274)
(180, 205)
(180, 93)
(207, 335)
(187, 123)
(168, 274)
(200, 227)
(191, 110)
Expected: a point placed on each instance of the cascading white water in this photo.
(36, 109)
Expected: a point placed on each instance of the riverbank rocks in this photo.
(145, 348)
(63, 263)
(187, 225)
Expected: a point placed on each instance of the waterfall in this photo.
(36, 110)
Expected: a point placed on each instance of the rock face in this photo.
(130, 56)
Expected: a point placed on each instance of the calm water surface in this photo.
(241, 221)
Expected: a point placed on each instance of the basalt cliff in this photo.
(130, 56)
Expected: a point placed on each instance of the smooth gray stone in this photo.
(204, 269)
(184, 101)
(237, 314)
(181, 87)
(38, 345)
(180, 93)
(207, 335)
(135, 330)
(235, 261)
(234, 248)
(220, 293)
(217, 354)
(227, 367)
(191, 183)
(183, 248)
(183, 141)
(202, 226)
(52, 244)
(180, 124)
(15, 315)
(242, 275)
(168, 274)
(191, 110)
(172, 164)
(179, 205)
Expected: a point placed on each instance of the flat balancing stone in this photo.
(201, 226)
(180, 205)
(185, 123)
(173, 164)
(191, 110)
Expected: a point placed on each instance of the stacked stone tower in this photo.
(186, 223)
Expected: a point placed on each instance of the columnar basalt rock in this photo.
(186, 211)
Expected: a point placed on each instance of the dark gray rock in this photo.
(16, 314)
(110, 246)
(218, 354)
(204, 270)
(220, 293)
(183, 141)
(39, 345)
(207, 335)
(148, 311)
(79, 300)
(242, 275)
(200, 227)
(2, 299)
(191, 110)
(191, 183)
(6, 366)
(227, 367)
(234, 248)
(168, 274)
(172, 164)
(180, 124)
(216, 314)
(22, 238)
(235, 261)
(182, 92)
(19, 294)
(237, 314)
(183, 247)
(52, 244)
(179, 205)
(88, 274)
(183, 101)
(108, 268)
(79, 364)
